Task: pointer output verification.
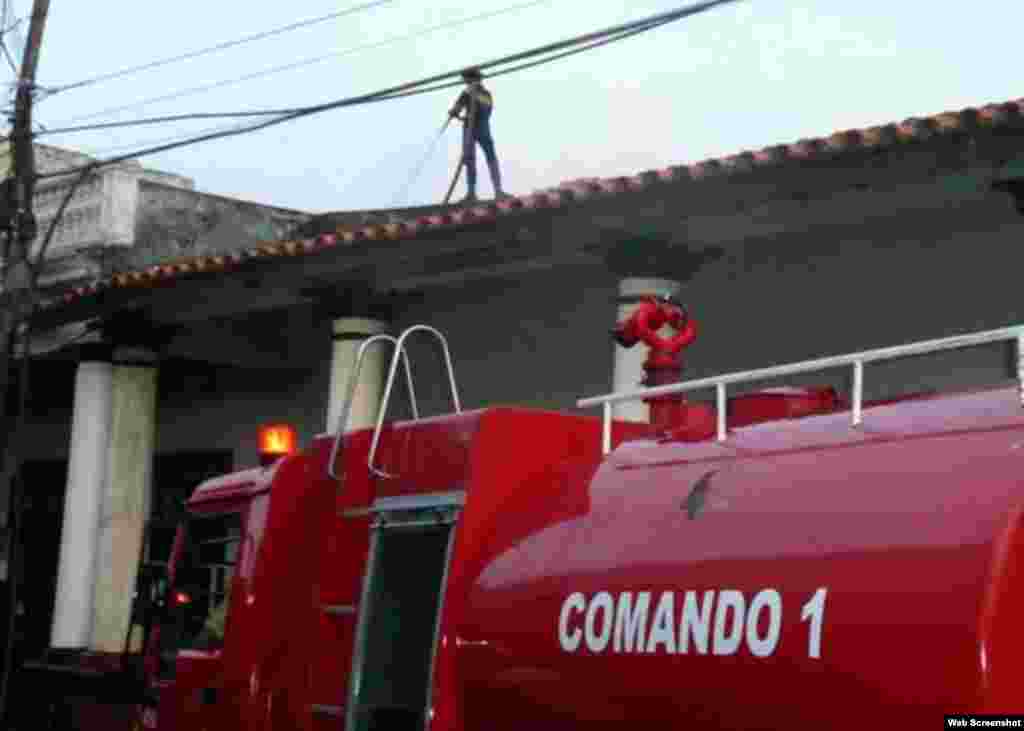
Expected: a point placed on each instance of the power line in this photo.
(273, 112)
(10, 28)
(308, 61)
(220, 46)
(245, 127)
(593, 39)
(3, 36)
(587, 47)
(7, 54)
(432, 83)
(168, 138)
(165, 119)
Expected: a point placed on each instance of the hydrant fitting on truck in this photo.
(663, 364)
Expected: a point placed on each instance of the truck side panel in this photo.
(809, 588)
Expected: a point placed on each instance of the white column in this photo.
(87, 472)
(628, 371)
(127, 499)
(348, 334)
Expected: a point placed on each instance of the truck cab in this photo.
(185, 650)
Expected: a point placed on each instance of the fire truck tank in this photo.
(801, 574)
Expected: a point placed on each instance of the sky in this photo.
(743, 76)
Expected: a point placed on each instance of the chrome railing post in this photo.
(606, 428)
(1020, 364)
(858, 392)
(722, 404)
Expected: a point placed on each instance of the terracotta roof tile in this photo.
(584, 189)
(509, 204)
(949, 121)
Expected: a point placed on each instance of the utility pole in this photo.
(18, 282)
(24, 155)
(19, 293)
(20, 189)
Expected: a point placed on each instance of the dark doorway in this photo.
(44, 483)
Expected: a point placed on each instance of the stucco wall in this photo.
(174, 222)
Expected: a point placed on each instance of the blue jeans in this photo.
(470, 139)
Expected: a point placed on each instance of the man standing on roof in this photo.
(478, 104)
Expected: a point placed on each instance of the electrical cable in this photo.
(220, 46)
(7, 55)
(161, 140)
(3, 37)
(12, 24)
(202, 115)
(602, 37)
(308, 61)
(231, 127)
(428, 84)
(168, 118)
(580, 49)
(274, 112)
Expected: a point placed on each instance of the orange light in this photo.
(277, 440)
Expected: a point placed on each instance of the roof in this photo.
(966, 121)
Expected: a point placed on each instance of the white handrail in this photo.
(353, 382)
(857, 360)
(390, 382)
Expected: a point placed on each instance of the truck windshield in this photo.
(202, 584)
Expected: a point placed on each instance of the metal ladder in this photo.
(399, 353)
(349, 612)
(857, 360)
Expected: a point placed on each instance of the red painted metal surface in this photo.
(235, 486)
(910, 526)
(803, 575)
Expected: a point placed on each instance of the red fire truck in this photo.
(776, 559)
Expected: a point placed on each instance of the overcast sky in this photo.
(748, 75)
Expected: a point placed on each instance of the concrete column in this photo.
(127, 497)
(87, 474)
(628, 371)
(348, 334)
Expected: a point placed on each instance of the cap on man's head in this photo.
(472, 74)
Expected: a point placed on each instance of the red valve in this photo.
(664, 362)
(650, 316)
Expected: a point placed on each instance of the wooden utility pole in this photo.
(18, 283)
(24, 156)
(19, 293)
(20, 189)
